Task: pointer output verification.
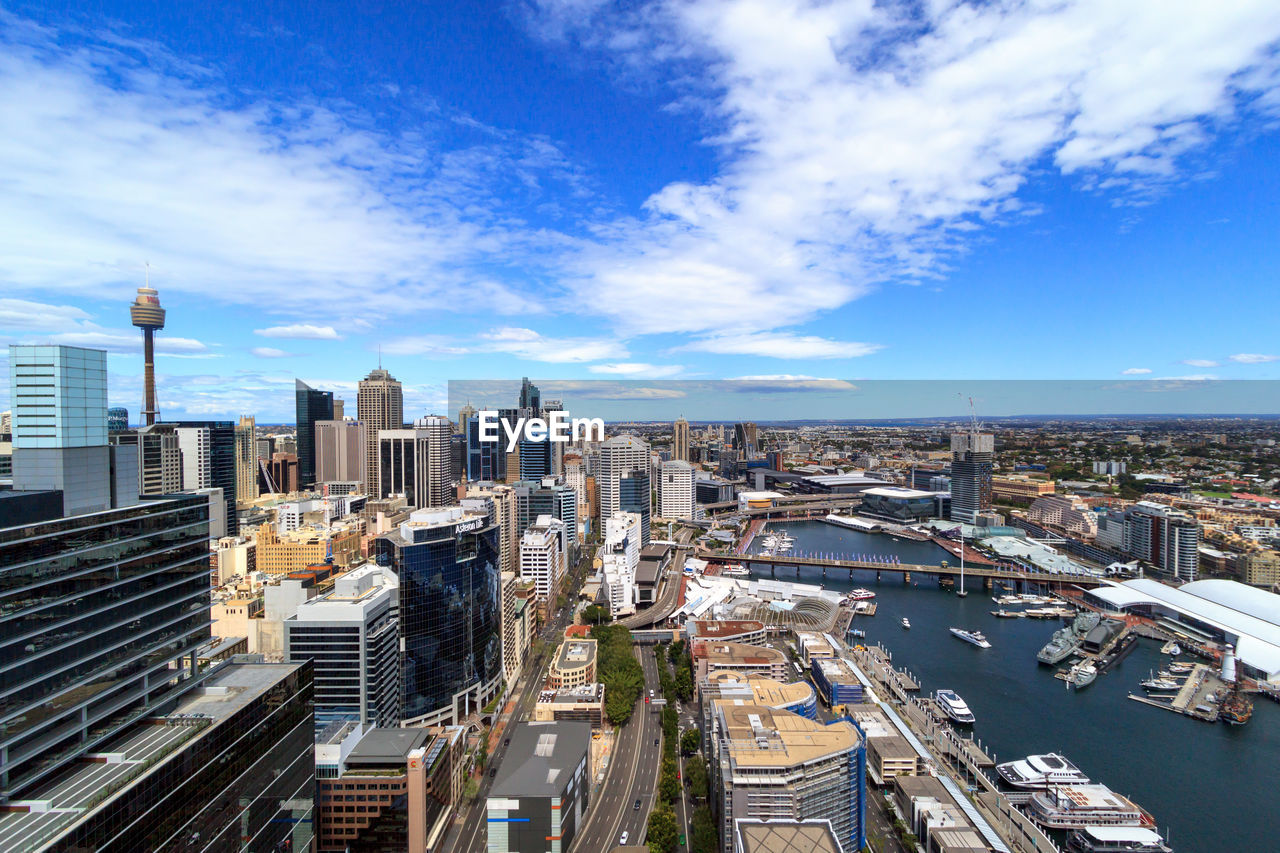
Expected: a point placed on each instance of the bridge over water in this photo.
(887, 563)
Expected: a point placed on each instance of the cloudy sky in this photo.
(580, 189)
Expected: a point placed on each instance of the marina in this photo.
(1021, 710)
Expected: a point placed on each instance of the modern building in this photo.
(540, 802)
(386, 788)
(680, 440)
(972, 459)
(1163, 537)
(351, 635)
(549, 496)
(837, 682)
(222, 462)
(246, 460)
(340, 451)
(1110, 467)
(711, 657)
(771, 764)
(159, 457)
(746, 439)
(281, 474)
(899, 505)
(785, 836)
(1068, 512)
(619, 558)
(197, 457)
(447, 561)
(505, 511)
(742, 631)
(936, 817)
(675, 490)
(100, 611)
(379, 406)
(542, 561)
(574, 664)
(312, 405)
(798, 697)
(635, 496)
(619, 455)
(117, 419)
(584, 703)
(59, 425)
(417, 463)
(227, 766)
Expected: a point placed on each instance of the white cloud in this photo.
(528, 344)
(638, 370)
(1199, 362)
(270, 352)
(301, 331)
(22, 314)
(1136, 371)
(781, 345)
(1254, 358)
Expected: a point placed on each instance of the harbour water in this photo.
(1211, 787)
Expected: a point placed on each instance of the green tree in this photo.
(663, 831)
(668, 784)
(690, 741)
(703, 835)
(695, 773)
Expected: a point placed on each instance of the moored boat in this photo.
(954, 707)
(975, 637)
(1078, 806)
(1040, 771)
(1116, 839)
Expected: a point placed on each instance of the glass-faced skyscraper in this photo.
(448, 563)
(312, 406)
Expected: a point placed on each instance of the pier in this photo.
(1192, 698)
(884, 563)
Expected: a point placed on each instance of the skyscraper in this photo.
(340, 448)
(465, 414)
(159, 457)
(635, 495)
(972, 455)
(530, 397)
(379, 406)
(221, 446)
(447, 561)
(745, 438)
(196, 457)
(148, 316)
(117, 419)
(680, 440)
(1163, 537)
(619, 455)
(675, 490)
(312, 406)
(246, 460)
(418, 463)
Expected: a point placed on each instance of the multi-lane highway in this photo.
(632, 775)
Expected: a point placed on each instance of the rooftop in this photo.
(786, 836)
(541, 759)
(760, 736)
(741, 653)
(386, 746)
(715, 629)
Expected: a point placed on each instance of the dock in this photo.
(1192, 698)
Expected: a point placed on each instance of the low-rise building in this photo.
(574, 664)
(585, 703)
(785, 836)
(1019, 488)
(889, 754)
(837, 682)
(935, 818)
(746, 631)
(282, 553)
(814, 646)
(539, 803)
(739, 657)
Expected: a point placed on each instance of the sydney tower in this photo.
(148, 316)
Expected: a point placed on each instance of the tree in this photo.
(668, 784)
(695, 772)
(663, 831)
(690, 741)
(704, 838)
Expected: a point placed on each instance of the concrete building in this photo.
(542, 561)
(785, 836)
(504, 504)
(1163, 537)
(889, 754)
(352, 637)
(340, 452)
(739, 657)
(379, 406)
(1067, 512)
(417, 463)
(1019, 488)
(837, 681)
(680, 440)
(574, 664)
(197, 457)
(540, 802)
(246, 461)
(798, 697)
(281, 475)
(619, 559)
(387, 788)
(584, 703)
(623, 454)
(770, 764)
(159, 458)
(447, 561)
(221, 450)
(281, 553)
(742, 631)
(517, 627)
(935, 817)
(549, 496)
(675, 490)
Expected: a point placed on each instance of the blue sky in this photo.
(690, 190)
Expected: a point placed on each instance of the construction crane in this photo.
(266, 475)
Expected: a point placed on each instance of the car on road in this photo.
(655, 741)
(636, 807)
(493, 771)
(623, 839)
(506, 742)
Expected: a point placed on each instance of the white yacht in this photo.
(954, 707)
(975, 637)
(1041, 771)
(906, 623)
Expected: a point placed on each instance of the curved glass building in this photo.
(450, 610)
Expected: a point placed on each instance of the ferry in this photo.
(1041, 771)
(1081, 675)
(1078, 806)
(954, 707)
(1116, 839)
(906, 623)
(974, 637)
(735, 570)
(860, 594)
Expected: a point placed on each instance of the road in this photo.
(632, 775)
(668, 596)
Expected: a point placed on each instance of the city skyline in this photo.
(642, 206)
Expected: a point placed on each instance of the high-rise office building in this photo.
(972, 457)
(352, 637)
(117, 419)
(447, 561)
(1163, 537)
(619, 455)
(552, 497)
(675, 490)
(281, 476)
(312, 405)
(680, 440)
(542, 561)
(635, 495)
(96, 626)
(59, 425)
(418, 463)
(340, 449)
(197, 457)
(503, 498)
(264, 447)
(159, 457)
(619, 558)
(222, 462)
(465, 414)
(246, 460)
(379, 406)
(746, 439)
(228, 766)
(530, 397)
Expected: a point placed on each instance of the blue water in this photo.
(1211, 787)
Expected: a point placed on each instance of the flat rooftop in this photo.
(382, 746)
(791, 739)
(576, 653)
(754, 688)
(742, 654)
(541, 758)
(714, 629)
(786, 836)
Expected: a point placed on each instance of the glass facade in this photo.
(634, 495)
(312, 406)
(222, 463)
(95, 608)
(247, 782)
(450, 613)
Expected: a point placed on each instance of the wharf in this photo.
(1193, 697)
